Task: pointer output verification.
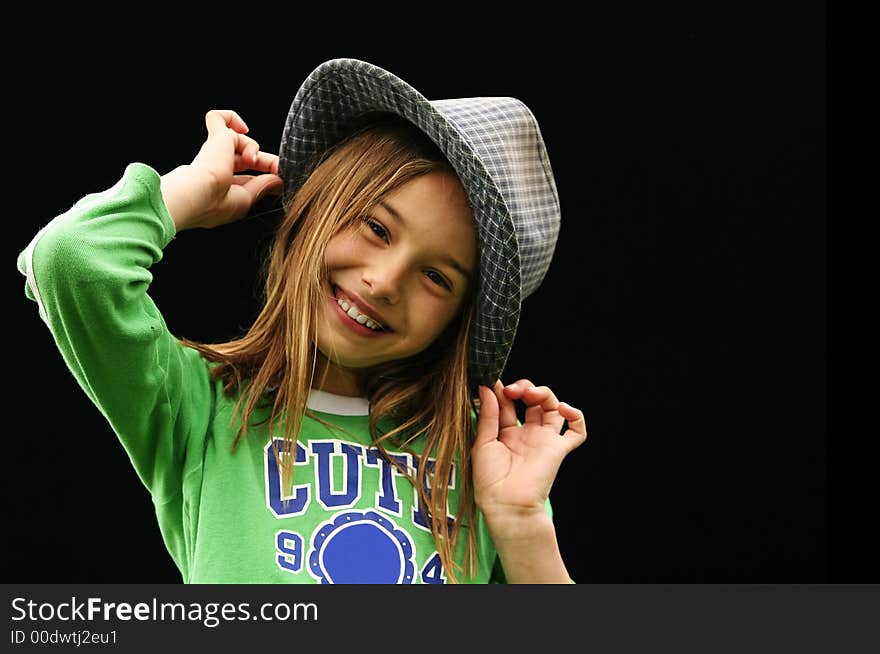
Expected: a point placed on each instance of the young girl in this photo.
(359, 431)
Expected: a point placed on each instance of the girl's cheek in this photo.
(342, 247)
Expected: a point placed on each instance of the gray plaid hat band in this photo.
(496, 148)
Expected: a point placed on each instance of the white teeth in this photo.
(361, 318)
(353, 312)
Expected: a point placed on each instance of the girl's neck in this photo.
(332, 379)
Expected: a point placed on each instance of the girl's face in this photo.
(408, 265)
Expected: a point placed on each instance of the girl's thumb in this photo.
(272, 186)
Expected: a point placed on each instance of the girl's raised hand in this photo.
(514, 466)
(211, 191)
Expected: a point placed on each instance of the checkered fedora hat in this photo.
(496, 148)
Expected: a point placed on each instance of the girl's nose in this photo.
(385, 280)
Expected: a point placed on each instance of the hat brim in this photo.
(326, 108)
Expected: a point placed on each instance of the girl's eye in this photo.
(374, 226)
(439, 279)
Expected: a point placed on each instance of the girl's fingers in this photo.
(216, 120)
(542, 403)
(247, 147)
(258, 185)
(546, 401)
(535, 415)
(507, 413)
(518, 386)
(576, 433)
(225, 128)
(526, 391)
(487, 423)
(267, 162)
(247, 150)
(241, 164)
(262, 162)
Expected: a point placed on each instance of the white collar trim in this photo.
(340, 405)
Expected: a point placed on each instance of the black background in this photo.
(684, 311)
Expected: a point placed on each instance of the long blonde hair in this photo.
(278, 352)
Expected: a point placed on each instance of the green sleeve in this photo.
(87, 271)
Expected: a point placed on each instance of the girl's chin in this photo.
(346, 363)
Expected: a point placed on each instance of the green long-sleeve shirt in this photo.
(351, 518)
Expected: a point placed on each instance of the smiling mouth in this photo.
(361, 318)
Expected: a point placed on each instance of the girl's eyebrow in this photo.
(446, 258)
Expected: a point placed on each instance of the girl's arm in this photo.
(88, 271)
(529, 551)
(514, 467)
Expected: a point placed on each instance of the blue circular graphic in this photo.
(361, 548)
